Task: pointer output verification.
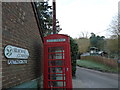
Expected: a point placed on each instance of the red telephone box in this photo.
(57, 62)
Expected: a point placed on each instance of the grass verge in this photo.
(96, 66)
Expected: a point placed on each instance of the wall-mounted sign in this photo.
(56, 40)
(17, 61)
(16, 52)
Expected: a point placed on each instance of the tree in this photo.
(84, 34)
(113, 46)
(45, 18)
(93, 40)
(113, 26)
(74, 54)
(97, 41)
(83, 44)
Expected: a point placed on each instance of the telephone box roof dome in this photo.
(53, 35)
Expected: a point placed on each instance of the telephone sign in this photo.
(55, 40)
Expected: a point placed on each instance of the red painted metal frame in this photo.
(66, 67)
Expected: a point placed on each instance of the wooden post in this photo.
(54, 16)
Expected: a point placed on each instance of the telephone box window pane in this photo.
(56, 49)
(56, 77)
(55, 69)
(55, 62)
(56, 56)
(56, 84)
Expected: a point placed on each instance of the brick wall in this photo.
(0, 45)
(19, 28)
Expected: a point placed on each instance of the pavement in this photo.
(86, 78)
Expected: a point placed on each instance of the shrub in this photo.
(102, 60)
(74, 54)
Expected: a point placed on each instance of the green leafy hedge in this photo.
(74, 54)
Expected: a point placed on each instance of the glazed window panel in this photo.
(56, 84)
(56, 49)
(56, 56)
(56, 77)
(55, 62)
(55, 69)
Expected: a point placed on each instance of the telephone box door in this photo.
(57, 68)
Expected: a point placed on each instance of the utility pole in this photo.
(54, 16)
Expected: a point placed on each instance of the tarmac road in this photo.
(86, 78)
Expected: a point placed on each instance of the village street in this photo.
(86, 78)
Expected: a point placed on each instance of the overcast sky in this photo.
(76, 16)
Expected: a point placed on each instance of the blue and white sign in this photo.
(13, 52)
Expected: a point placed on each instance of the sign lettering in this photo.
(17, 61)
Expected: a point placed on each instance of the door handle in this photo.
(66, 69)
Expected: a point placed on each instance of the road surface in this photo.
(86, 78)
